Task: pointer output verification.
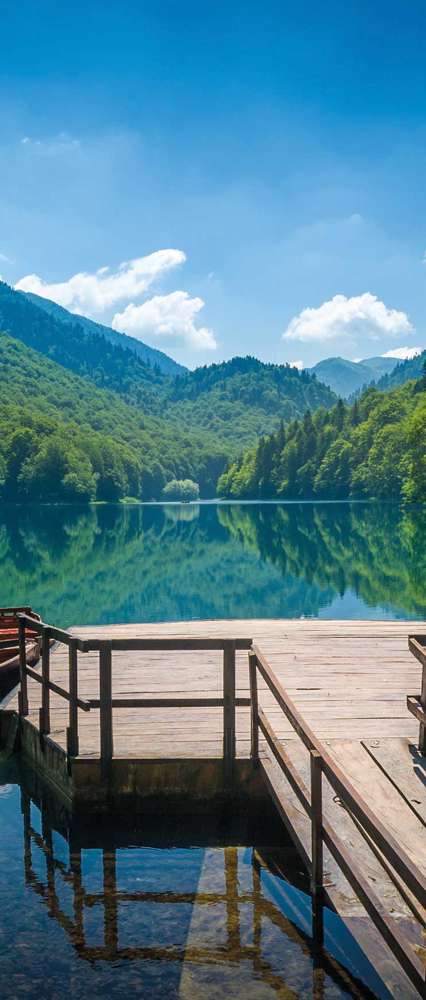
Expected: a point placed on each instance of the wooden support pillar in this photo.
(422, 730)
(229, 711)
(105, 697)
(72, 731)
(23, 694)
(254, 707)
(317, 879)
(44, 724)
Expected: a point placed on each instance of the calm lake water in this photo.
(104, 564)
(202, 912)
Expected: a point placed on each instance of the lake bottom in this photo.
(170, 907)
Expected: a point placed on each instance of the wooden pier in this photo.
(312, 713)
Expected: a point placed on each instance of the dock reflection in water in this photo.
(177, 921)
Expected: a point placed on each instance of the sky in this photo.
(220, 178)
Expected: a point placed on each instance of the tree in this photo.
(181, 489)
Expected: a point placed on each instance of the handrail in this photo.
(369, 825)
(106, 702)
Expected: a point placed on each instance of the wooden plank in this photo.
(405, 768)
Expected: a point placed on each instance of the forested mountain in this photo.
(374, 448)
(151, 356)
(238, 400)
(82, 350)
(403, 372)
(347, 377)
(241, 399)
(62, 438)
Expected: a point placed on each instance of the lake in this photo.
(175, 908)
(170, 562)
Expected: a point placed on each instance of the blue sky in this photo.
(261, 167)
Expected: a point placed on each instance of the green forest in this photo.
(375, 447)
(85, 416)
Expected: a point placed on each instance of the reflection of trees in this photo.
(152, 563)
(230, 900)
(376, 550)
(134, 563)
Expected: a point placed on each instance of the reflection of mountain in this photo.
(375, 550)
(153, 563)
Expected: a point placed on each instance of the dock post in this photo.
(23, 694)
(44, 724)
(317, 848)
(72, 731)
(229, 710)
(254, 707)
(422, 729)
(105, 698)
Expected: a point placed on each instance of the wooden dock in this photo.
(311, 712)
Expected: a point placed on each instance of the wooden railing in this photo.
(106, 702)
(416, 704)
(322, 833)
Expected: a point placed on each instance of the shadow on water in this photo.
(171, 908)
(170, 562)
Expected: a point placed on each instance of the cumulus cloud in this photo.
(359, 316)
(403, 353)
(169, 316)
(296, 364)
(91, 294)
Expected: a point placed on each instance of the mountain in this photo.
(62, 438)
(241, 399)
(80, 349)
(403, 372)
(380, 366)
(374, 448)
(347, 377)
(151, 356)
(236, 401)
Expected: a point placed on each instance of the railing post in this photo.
(105, 698)
(422, 729)
(44, 724)
(23, 694)
(72, 731)
(317, 847)
(254, 707)
(229, 710)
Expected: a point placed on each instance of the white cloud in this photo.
(62, 143)
(296, 364)
(360, 316)
(91, 294)
(170, 316)
(3, 257)
(403, 353)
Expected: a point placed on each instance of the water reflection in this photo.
(182, 921)
(171, 562)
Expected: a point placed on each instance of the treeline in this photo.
(63, 439)
(373, 448)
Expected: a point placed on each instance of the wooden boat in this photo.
(9, 644)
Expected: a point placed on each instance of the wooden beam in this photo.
(254, 717)
(23, 694)
(229, 710)
(45, 681)
(105, 691)
(72, 732)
